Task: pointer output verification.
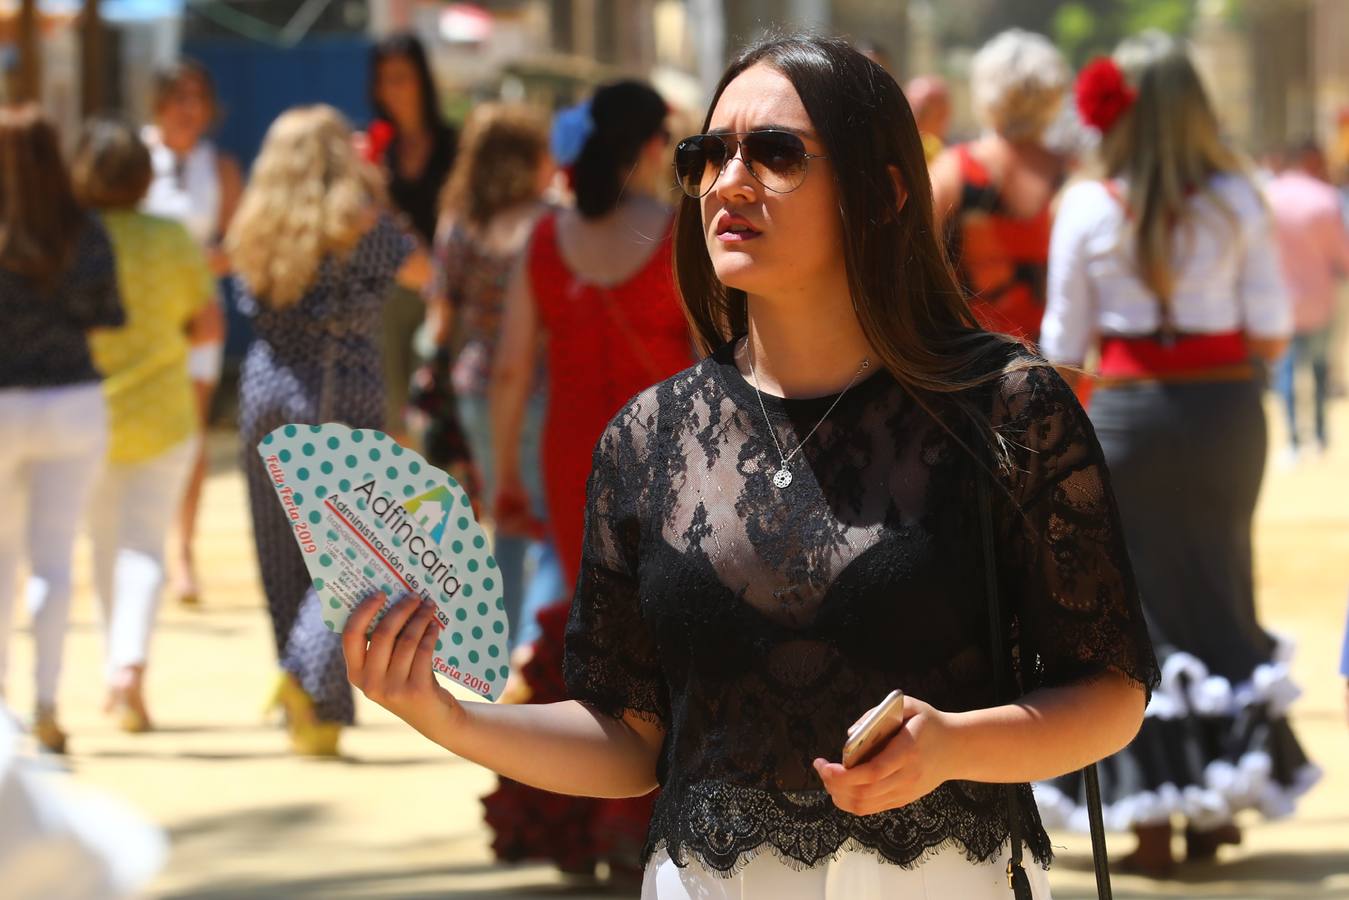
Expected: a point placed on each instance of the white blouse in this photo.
(1227, 272)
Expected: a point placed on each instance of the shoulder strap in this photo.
(1000, 663)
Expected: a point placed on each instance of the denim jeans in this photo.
(531, 574)
(1311, 349)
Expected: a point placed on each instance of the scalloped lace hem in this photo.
(1187, 687)
(1227, 789)
(687, 854)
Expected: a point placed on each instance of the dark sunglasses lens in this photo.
(777, 158)
(698, 161)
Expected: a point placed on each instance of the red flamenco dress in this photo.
(605, 343)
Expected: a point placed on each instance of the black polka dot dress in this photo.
(313, 361)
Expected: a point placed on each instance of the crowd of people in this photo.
(718, 424)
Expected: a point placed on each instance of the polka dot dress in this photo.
(317, 359)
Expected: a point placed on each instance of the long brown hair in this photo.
(40, 221)
(905, 294)
(1167, 147)
(500, 152)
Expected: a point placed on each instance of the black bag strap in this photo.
(1000, 660)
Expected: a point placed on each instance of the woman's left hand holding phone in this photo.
(911, 764)
(392, 666)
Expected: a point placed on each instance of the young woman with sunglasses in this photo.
(783, 534)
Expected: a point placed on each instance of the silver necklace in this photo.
(782, 478)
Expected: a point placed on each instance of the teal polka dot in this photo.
(462, 523)
(491, 563)
(453, 661)
(379, 435)
(302, 473)
(461, 615)
(351, 553)
(357, 437)
(291, 430)
(369, 572)
(350, 461)
(397, 542)
(326, 467)
(360, 504)
(344, 485)
(318, 584)
(396, 450)
(457, 638)
(501, 604)
(315, 429)
(335, 603)
(477, 633)
(430, 483)
(307, 449)
(332, 536)
(374, 454)
(315, 518)
(473, 656)
(330, 626)
(464, 501)
(298, 498)
(414, 467)
(325, 559)
(505, 671)
(493, 651)
(408, 490)
(482, 609)
(320, 492)
(284, 456)
(468, 590)
(268, 439)
(440, 645)
(379, 523)
(473, 565)
(498, 628)
(333, 443)
(457, 546)
(490, 675)
(478, 542)
(392, 472)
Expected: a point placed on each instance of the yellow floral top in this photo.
(165, 282)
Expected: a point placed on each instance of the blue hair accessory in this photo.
(572, 127)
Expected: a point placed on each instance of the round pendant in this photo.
(782, 478)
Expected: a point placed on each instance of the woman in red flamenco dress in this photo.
(598, 291)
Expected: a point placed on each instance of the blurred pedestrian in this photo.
(315, 258)
(415, 147)
(994, 194)
(57, 284)
(1314, 250)
(169, 293)
(198, 186)
(783, 534)
(597, 291)
(491, 205)
(1166, 263)
(930, 99)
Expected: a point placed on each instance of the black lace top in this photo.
(755, 624)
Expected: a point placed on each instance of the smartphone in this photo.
(874, 729)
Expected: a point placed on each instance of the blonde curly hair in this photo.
(310, 196)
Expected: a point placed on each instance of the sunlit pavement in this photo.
(401, 818)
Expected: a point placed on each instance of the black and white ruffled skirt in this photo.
(1186, 462)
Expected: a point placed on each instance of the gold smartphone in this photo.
(874, 728)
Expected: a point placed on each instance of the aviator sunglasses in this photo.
(777, 160)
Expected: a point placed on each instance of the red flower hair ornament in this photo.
(1102, 94)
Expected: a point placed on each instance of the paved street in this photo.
(400, 818)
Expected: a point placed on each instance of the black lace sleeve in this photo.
(611, 661)
(1067, 570)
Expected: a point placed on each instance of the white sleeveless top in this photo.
(185, 189)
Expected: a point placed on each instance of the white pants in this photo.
(52, 442)
(134, 505)
(944, 875)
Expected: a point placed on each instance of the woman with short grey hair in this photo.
(993, 194)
